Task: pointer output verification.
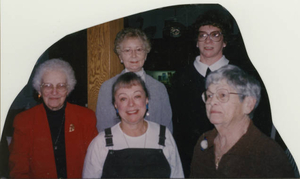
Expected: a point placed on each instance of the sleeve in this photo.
(19, 159)
(95, 158)
(173, 157)
(105, 111)
(175, 101)
(166, 108)
(275, 162)
(159, 104)
(174, 91)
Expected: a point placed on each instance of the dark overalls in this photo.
(136, 162)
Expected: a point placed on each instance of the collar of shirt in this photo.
(141, 74)
(201, 67)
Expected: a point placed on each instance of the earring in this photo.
(147, 110)
(117, 111)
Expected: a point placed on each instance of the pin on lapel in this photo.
(71, 128)
(204, 144)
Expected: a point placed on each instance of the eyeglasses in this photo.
(48, 87)
(222, 95)
(214, 36)
(129, 51)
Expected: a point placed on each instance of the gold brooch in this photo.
(71, 128)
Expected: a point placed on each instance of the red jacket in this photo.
(31, 150)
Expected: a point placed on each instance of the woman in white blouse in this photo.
(135, 147)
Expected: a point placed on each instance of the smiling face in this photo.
(210, 51)
(131, 104)
(223, 114)
(133, 54)
(54, 99)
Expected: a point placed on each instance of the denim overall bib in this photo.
(136, 162)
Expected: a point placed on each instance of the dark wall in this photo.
(73, 49)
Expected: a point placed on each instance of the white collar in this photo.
(201, 67)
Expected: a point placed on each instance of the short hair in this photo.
(127, 80)
(131, 33)
(54, 65)
(239, 80)
(216, 18)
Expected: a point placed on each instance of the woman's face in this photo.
(133, 54)
(223, 114)
(210, 50)
(131, 104)
(54, 89)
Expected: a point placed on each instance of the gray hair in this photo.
(54, 65)
(239, 80)
(131, 33)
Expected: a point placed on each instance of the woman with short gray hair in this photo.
(50, 140)
(243, 83)
(235, 147)
(132, 47)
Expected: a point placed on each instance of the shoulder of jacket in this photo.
(108, 83)
(31, 111)
(151, 82)
(78, 109)
(26, 117)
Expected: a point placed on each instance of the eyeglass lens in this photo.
(130, 51)
(222, 96)
(214, 36)
(60, 87)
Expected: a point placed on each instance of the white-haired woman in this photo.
(50, 140)
(132, 47)
(235, 148)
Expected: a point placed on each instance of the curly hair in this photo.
(54, 65)
(217, 19)
(131, 33)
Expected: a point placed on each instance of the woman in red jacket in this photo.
(50, 140)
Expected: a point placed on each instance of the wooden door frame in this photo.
(102, 62)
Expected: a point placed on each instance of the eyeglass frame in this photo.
(138, 51)
(52, 87)
(209, 35)
(204, 94)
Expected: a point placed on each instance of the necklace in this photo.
(61, 126)
(217, 162)
(218, 154)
